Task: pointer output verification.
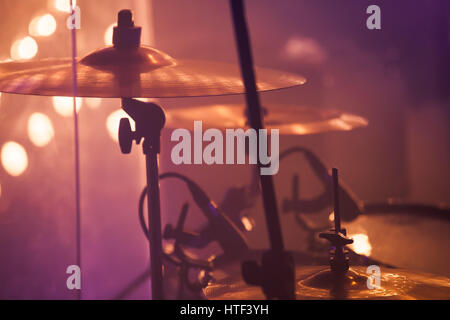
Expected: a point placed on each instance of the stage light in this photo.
(247, 223)
(64, 105)
(40, 129)
(42, 26)
(14, 158)
(93, 103)
(64, 5)
(109, 35)
(25, 48)
(113, 121)
(361, 244)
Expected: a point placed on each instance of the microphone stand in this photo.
(276, 274)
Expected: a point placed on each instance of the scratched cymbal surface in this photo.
(146, 72)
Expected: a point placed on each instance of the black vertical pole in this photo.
(337, 212)
(154, 222)
(254, 115)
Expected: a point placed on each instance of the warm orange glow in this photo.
(93, 103)
(23, 49)
(109, 35)
(247, 223)
(42, 26)
(331, 216)
(113, 121)
(40, 129)
(14, 158)
(64, 5)
(64, 105)
(361, 244)
(168, 247)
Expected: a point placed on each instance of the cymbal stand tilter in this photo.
(149, 119)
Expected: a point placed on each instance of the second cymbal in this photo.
(289, 119)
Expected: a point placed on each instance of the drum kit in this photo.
(129, 70)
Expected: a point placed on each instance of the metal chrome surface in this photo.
(289, 119)
(314, 283)
(146, 72)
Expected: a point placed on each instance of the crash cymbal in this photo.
(289, 119)
(315, 283)
(144, 72)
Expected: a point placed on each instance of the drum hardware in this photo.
(441, 212)
(126, 71)
(220, 228)
(276, 274)
(178, 258)
(289, 119)
(149, 119)
(339, 261)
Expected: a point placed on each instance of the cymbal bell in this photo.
(289, 119)
(144, 72)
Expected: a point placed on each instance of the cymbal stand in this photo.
(150, 120)
(339, 261)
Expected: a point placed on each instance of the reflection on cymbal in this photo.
(314, 283)
(145, 72)
(289, 119)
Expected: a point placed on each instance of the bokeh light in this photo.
(247, 223)
(305, 49)
(40, 129)
(93, 103)
(25, 48)
(113, 122)
(361, 244)
(64, 5)
(42, 26)
(14, 158)
(64, 105)
(331, 216)
(109, 35)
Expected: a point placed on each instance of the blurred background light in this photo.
(305, 49)
(25, 48)
(64, 105)
(40, 129)
(109, 34)
(248, 223)
(361, 244)
(14, 158)
(93, 103)
(64, 5)
(42, 26)
(113, 121)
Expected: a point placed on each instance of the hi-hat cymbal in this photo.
(289, 119)
(315, 283)
(144, 72)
